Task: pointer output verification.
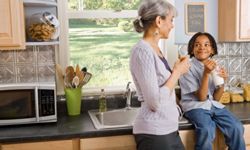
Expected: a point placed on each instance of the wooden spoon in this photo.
(79, 73)
(69, 75)
(77, 69)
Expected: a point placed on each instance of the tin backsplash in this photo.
(34, 64)
(235, 58)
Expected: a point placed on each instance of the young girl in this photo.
(199, 97)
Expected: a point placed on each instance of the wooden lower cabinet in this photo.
(219, 143)
(124, 142)
(48, 145)
(188, 139)
(247, 136)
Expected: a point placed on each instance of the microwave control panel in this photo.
(46, 102)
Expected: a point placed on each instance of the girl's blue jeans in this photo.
(206, 121)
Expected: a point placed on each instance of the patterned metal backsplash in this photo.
(235, 58)
(35, 64)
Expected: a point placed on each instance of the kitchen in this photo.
(234, 54)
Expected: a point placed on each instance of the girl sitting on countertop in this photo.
(199, 97)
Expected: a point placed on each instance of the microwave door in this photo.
(17, 106)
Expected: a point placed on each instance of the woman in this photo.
(156, 126)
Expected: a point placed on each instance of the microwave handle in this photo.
(36, 104)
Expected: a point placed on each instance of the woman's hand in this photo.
(182, 65)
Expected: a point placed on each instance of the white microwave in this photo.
(27, 103)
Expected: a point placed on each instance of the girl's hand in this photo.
(223, 73)
(209, 66)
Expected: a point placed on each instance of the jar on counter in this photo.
(246, 91)
(42, 27)
(236, 94)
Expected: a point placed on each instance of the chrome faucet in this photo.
(129, 93)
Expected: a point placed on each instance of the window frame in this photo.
(63, 52)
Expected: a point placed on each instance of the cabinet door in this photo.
(125, 142)
(188, 138)
(221, 140)
(244, 19)
(12, 29)
(234, 20)
(50, 145)
(247, 136)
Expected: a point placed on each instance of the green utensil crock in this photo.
(73, 100)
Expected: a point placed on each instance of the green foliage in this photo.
(125, 26)
(107, 22)
(105, 4)
(93, 4)
(121, 4)
(72, 4)
(114, 4)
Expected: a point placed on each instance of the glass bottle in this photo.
(102, 102)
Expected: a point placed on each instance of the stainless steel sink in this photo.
(113, 118)
(116, 118)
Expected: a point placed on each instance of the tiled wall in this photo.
(235, 57)
(35, 64)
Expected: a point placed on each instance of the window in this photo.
(101, 36)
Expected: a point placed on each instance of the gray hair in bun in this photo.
(149, 10)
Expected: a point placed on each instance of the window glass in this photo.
(103, 46)
(103, 4)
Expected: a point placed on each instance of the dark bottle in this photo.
(102, 102)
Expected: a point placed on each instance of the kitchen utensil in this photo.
(75, 82)
(60, 74)
(77, 69)
(80, 74)
(69, 76)
(87, 77)
(84, 69)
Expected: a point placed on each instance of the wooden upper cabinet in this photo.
(12, 30)
(245, 19)
(234, 20)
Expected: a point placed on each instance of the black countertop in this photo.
(69, 127)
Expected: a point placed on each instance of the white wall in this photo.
(172, 50)
(211, 19)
